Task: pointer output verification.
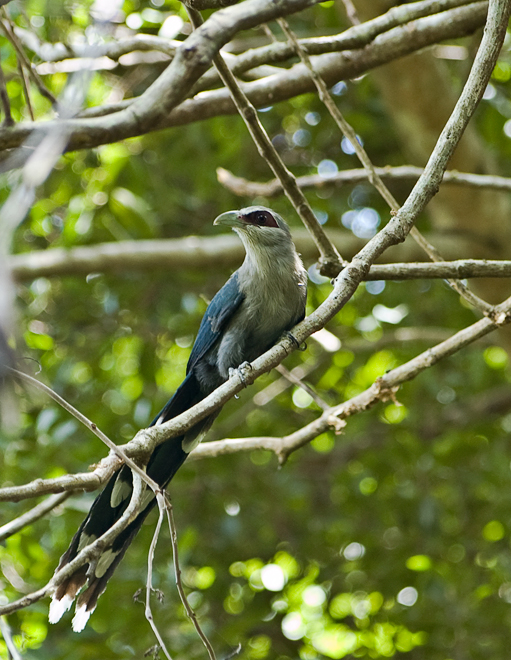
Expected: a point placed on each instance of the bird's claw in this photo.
(294, 340)
(244, 367)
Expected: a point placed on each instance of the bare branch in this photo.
(26, 90)
(127, 121)
(37, 512)
(149, 587)
(6, 27)
(199, 5)
(68, 482)
(227, 251)
(5, 629)
(295, 380)
(382, 389)
(351, 12)
(56, 52)
(177, 570)
(246, 188)
(456, 285)
(90, 425)
(353, 38)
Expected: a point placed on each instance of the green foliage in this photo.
(390, 538)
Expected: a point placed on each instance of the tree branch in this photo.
(352, 38)
(383, 389)
(246, 188)
(6, 27)
(12, 650)
(226, 251)
(37, 512)
(138, 118)
(149, 586)
(177, 571)
(56, 52)
(89, 554)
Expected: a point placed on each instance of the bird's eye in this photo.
(261, 218)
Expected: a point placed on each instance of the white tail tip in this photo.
(80, 618)
(58, 607)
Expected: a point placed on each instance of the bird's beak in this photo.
(229, 219)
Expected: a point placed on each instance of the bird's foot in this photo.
(241, 371)
(292, 338)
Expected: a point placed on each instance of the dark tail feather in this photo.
(109, 506)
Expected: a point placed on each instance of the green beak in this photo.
(229, 219)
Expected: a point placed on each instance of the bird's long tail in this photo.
(111, 504)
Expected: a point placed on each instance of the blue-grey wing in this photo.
(219, 312)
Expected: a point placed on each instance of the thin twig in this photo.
(5, 629)
(26, 90)
(32, 515)
(351, 12)
(6, 27)
(87, 423)
(149, 587)
(245, 188)
(4, 97)
(458, 286)
(177, 570)
(267, 31)
(292, 378)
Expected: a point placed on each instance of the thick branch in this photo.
(353, 38)
(226, 251)
(150, 111)
(138, 118)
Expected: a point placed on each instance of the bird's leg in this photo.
(294, 340)
(244, 367)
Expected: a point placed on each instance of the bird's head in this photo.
(256, 224)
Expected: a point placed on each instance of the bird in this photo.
(261, 301)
